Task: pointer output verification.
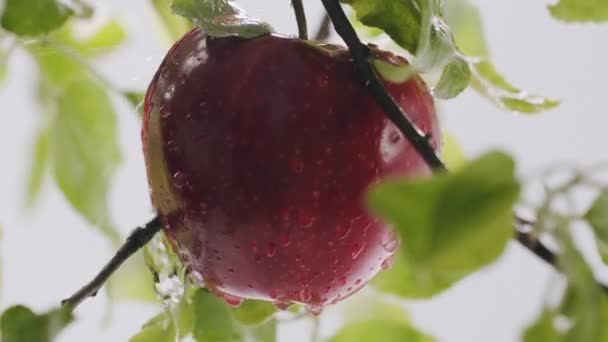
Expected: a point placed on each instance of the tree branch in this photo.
(360, 54)
(324, 30)
(298, 8)
(138, 238)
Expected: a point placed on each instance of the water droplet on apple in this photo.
(282, 305)
(387, 263)
(204, 208)
(274, 294)
(342, 231)
(315, 310)
(233, 301)
(271, 250)
(316, 194)
(305, 220)
(390, 242)
(284, 240)
(356, 249)
(168, 95)
(298, 258)
(358, 281)
(304, 281)
(171, 146)
(258, 258)
(164, 73)
(231, 270)
(305, 295)
(342, 281)
(204, 107)
(180, 179)
(394, 137)
(297, 165)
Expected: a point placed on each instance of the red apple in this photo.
(259, 153)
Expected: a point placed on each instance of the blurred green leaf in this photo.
(4, 54)
(38, 167)
(266, 332)
(220, 18)
(109, 36)
(20, 324)
(253, 312)
(84, 152)
(453, 155)
(453, 224)
(133, 281)
(377, 307)
(543, 330)
(159, 329)
(175, 26)
(465, 22)
(401, 280)
(580, 10)
(454, 80)
(136, 98)
(34, 17)
(213, 320)
(380, 330)
(401, 20)
(597, 216)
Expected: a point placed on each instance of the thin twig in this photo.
(360, 54)
(298, 8)
(324, 30)
(138, 238)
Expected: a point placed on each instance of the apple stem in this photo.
(360, 53)
(298, 8)
(138, 238)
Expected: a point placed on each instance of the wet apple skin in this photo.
(259, 156)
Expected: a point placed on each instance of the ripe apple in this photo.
(259, 153)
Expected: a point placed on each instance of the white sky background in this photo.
(48, 254)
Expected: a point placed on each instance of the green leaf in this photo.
(543, 330)
(136, 98)
(109, 36)
(253, 312)
(174, 26)
(453, 224)
(133, 281)
(401, 20)
(38, 167)
(454, 79)
(453, 155)
(380, 330)
(20, 324)
(220, 18)
(466, 25)
(597, 216)
(83, 150)
(213, 320)
(4, 56)
(266, 332)
(34, 17)
(377, 307)
(159, 329)
(580, 10)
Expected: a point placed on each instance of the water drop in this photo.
(394, 137)
(204, 107)
(342, 281)
(271, 250)
(356, 249)
(358, 281)
(171, 146)
(305, 295)
(164, 73)
(297, 165)
(282, 305)
(170, 289)
(233, 301)
(274, 294)
(342, 231)
(305, 220)
(204, 208)
(180, 179)
(315, 310)
(284, 240)
(298, 258)
(231, 270)
(258, 258)
(316, 194)
(387, 263)
(390, 242)
(304, 281)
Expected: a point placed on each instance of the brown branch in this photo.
(360, 54)
(138, 238)
(324, 30)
